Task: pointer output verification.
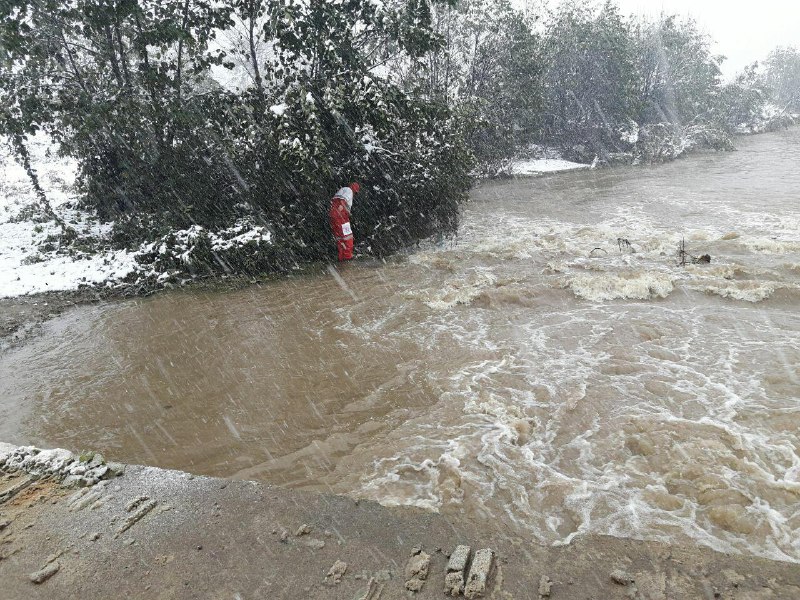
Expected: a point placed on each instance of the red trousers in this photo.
(345, 248)
(340, 226)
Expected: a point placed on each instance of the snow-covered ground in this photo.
(31, 257)
(30, 260)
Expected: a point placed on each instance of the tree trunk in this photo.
(24, 157)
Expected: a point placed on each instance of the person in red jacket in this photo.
(339, 216)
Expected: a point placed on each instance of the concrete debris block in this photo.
(458, 559)
(304, 529)
(454, 580)
(544, 586)
(479, 573)
(417, 571)
(337, 571)
(621, 577)
(45, 573)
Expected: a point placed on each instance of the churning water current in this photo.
(552, 371)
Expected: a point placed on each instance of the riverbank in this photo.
(87, 259)
(149, 532)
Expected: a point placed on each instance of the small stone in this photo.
(45, 573)
(135, 503)
(284, 535)
(304, 529)
(417, 570)
(383, 575)
(313, 543)
(544, 586)
(337, 571)
(621, 577)
(4, 523)
(95, 537)
(99, 472)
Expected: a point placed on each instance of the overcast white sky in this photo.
(745, 30)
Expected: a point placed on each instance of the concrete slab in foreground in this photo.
(151, 533)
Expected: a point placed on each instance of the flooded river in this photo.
(552, 371)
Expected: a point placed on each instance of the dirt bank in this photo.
(21, 317)
(151, 533)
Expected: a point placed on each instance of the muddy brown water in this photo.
(552, 371)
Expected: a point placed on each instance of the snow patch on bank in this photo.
(541, 166)
(33, 258)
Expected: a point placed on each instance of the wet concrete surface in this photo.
(152, 533)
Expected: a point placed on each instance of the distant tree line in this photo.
(583, 78)
(406, 96)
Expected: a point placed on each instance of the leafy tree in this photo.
(488, 69)
(589, 80)
(742, 102)
(783, 77)
(677, 73)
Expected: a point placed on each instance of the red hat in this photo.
(355, 187)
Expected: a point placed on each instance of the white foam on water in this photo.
(643, 422)
(772, 246)
(747, 291)
(457, 290)
(614, 286)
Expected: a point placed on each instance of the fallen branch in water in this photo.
(684, 257)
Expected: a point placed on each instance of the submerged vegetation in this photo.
(188, 114)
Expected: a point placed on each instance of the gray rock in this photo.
(544, 586)
(115, 469)
(337, 571)
(136, 517)
(45, 573)
(621, 577)
(313, 543)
